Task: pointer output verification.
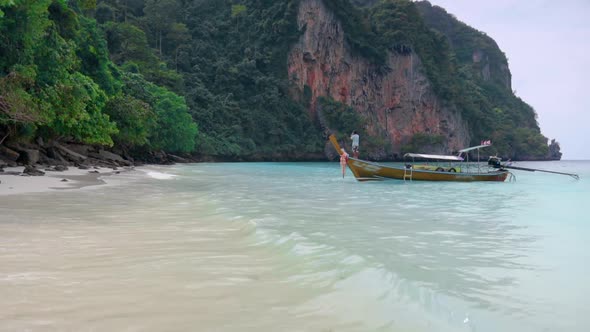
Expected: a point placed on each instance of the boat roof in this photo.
(433, 156)
(475, 147)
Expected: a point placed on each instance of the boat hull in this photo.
(368, 171)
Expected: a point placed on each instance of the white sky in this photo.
(547, 43)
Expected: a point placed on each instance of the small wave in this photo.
(160, 176)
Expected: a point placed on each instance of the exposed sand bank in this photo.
(72, 178)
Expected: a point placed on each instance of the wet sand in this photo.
(11, 184)
(141, 257)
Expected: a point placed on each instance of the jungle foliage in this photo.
(424, 143)
(343, 120)
(482, 89)
(57, 81)
(144, 73)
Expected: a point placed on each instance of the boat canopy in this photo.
(433, 156)
(475, 147)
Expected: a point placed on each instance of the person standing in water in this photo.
(355, 144)
(343, 161)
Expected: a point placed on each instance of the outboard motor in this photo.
(495, 162)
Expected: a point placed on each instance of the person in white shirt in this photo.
(355, 144)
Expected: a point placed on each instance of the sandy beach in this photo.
(13, 181)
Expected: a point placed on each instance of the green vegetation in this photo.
(141, 74)
(357, 28)
(483, 93)
(343, 119)
(423, 143)
(57, 81)
(237, 84)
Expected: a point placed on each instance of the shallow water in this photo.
(294, 247)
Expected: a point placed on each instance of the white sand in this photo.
(76, 178)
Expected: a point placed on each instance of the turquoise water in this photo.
(295, 247)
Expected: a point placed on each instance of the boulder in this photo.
(30, 156)
(79, 148)
(57, 168)
(178, 159)
(53, 153)
(9, 153)
(106, 155)
(74, 156)
(52, 162)
(93, 162)
(31, 170)
(7, 162)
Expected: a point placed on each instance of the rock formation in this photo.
(396, 100)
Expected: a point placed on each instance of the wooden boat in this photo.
(457, 169)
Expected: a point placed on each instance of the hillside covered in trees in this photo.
(487, 98)
(208, 78)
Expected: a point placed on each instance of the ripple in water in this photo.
(280, 246)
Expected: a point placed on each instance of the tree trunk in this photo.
(176, 59)
(125, 11)
(160, 33)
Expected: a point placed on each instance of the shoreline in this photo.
(14, 182)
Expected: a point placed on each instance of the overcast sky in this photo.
(547, 43)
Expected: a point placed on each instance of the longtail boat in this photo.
(456, 168)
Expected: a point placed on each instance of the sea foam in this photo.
(160, 176)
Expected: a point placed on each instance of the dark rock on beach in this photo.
(31, 170)
(8, 153)
(57, 168)
(178, 159)
(54, 156)
(29, 156)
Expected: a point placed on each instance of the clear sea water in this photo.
(295, 247)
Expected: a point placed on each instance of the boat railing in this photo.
(476, 167)
(472, 167)
(449, 163)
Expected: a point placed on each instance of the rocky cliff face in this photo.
(483, 65)
(396, 100)
(472, 46)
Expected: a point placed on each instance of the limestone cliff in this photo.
(472, 47)
(396, 100)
